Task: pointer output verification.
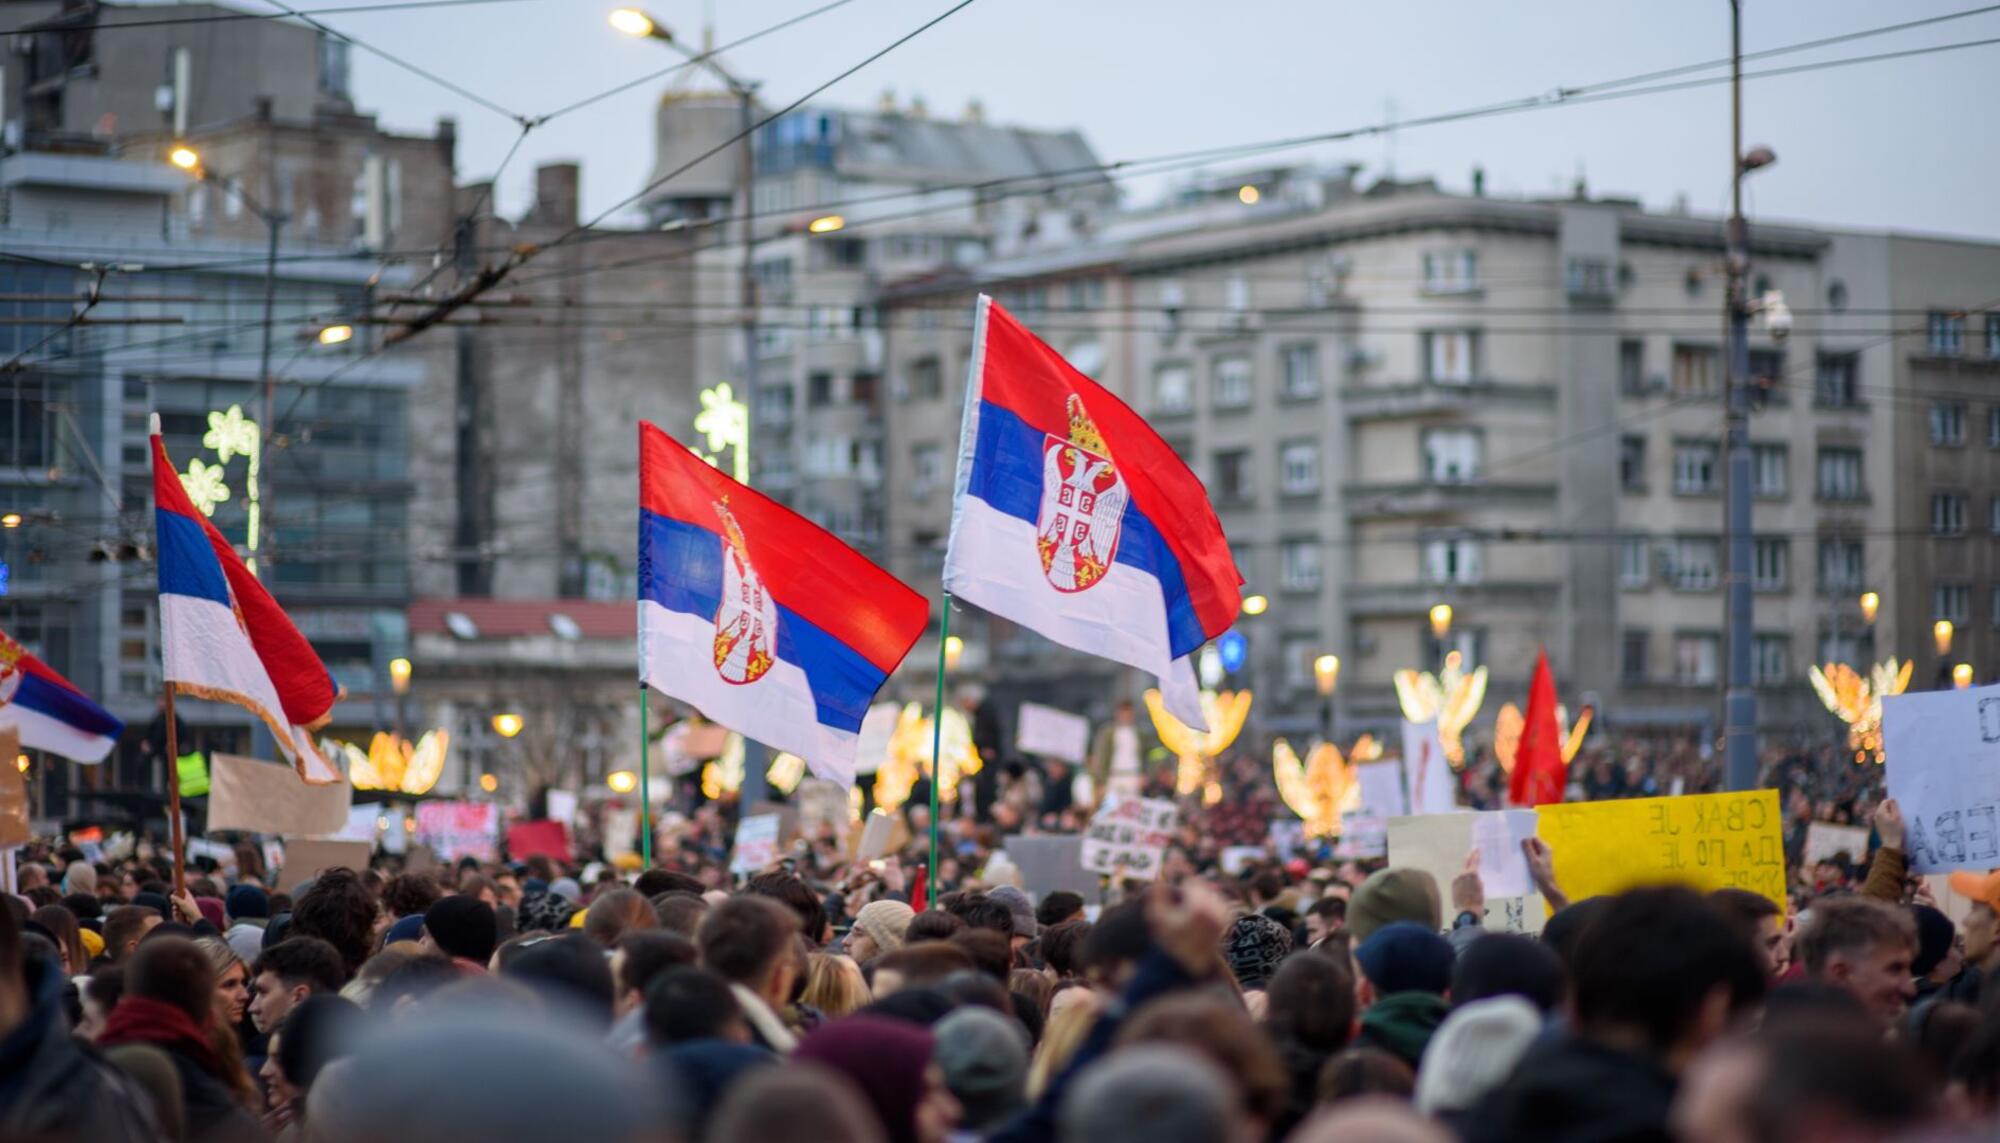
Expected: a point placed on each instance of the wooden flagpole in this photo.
(173, 731)
(937, 740)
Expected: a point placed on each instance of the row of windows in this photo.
(1694, 563)
(1232, 380)
(1945, 334)
(1698, 658)
(1949, 512)
(1953, 601)
(1948, 424)
(1698, 469)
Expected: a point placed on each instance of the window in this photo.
(1993, 511)
(1298, 468)
(1840, 474)
(1173, 389)
(1632, 657)
(1951, 601)
(1694, 370)
(1770, 658)
(1947, 423)
(1232, 382)
(1695, 563)
(1451, 271)
(1947, 513)
(1634, 562)
(1993, 427)
(863, 388)
(1232, 476)
(1299, 652)
(1299, 570)
(1452, 560)
(1448, 356)
(1632, 367)
(1767, 367)
(1770, 564)
(1236, 294)
(1843, 647)
(1834, 383)
(1946, 334)
(1696, 658)
(819, 389)
(1301, 370)
(1452, 456)
(1993, 335)
(925, 379)
(1589, 278)
(1694, 468)
(1841, 563)
(333, 66)
(1632, 463)
(1084, 294)
(1767, 470)
(926, 468)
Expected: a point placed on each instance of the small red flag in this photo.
(1538, 764)
(919, 890)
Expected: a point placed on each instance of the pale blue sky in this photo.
(1908, 144)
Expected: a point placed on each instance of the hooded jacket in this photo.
(1571, 1090)
(1401, 1023)
(54, 1086)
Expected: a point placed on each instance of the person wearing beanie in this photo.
(1392, 895)
(1405, 972)
(211, 911)
(1026, 928)
(1507, 964)
(155, 902)
(249, 910)
(1253, 947)
(890, 1061)
(1938, 961)
(878, 929)
(464, 929)
(984, 1057)
(1473, 1050)
(567, 889)
(405, 929)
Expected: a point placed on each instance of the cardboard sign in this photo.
(1052, 862)
(1825, 841)
(756, 843)
(1438, 844)
(878, 836)
(14, 827)
(544, 838)
(1706, 841)
(459, 829)
(1941, 762)
(1130, 836)
(307, 858)
(1052, 733)
(267, 797)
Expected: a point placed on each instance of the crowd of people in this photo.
(1299, 997)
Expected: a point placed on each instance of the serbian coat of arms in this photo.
(1083, 505)
(746, 625)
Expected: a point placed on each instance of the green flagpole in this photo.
(645, 782)
(937, 749)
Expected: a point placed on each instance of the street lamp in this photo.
(1326, 673)
(1870, 604)
(507, 724)
(1961, 676)
(489, 783)
(827, 224)
(621, 781)
(1248, 194)
(1256, 604)
(954, 650)
(399, 676)
(634, 23)
(186, 158)
(10, 520)
(1942, 631)
(336, 334)
(1441, 620)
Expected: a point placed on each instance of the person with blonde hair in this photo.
(834, 985)
(232, 1000)
(1072, 1013)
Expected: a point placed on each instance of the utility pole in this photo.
(1739, 703)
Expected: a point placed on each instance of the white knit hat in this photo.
(1475, 1049)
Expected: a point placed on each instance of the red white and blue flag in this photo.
(759, 618)
(50, 713)
(1074, 519)
(223, 637)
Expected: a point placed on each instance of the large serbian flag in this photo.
(756, 616)
(1073, 518)
(51, 714)
(223, 637)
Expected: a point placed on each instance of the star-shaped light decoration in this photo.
(1449, 698)
(1225, 714)
(725, 421)
(204, 485)
(1857, 700)
(231, 434)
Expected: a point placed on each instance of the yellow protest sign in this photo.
(1704, 841)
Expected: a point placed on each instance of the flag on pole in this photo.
(223, 637)
(49, 711)
(759, 618)
(1538, 762)
(1074, 519)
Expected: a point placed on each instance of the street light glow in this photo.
(336, 334)
(1326, 673)
(633, 22)
(1248, 195)
(1961, 676)
(1871, 602)
(10, 520)
(621, 781)
(399, 674)
(507, 725)
(488, 783)
(1441, 620)
(954, 650)
(1255, 604)
(1942, 632)
(827, 224)
(186, 158)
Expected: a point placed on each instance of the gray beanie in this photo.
(1473, 1050)
(984, 1058)
(1392, 895)
(1149, 1091)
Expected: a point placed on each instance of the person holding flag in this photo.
(48, 710)
(1074, 519)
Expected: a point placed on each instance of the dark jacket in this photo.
(1402, 1023)
(55, 1087)
(1571, 1090)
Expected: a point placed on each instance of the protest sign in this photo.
(1825, 841)
(307, 858)
(1129, 836)
(1438, 844)
(1938, 752)
(14, 827)
(1052, 862)
(1052, 733)
(1428, 777)
(1234, 859)
(1381, 786)
(756, 843)
(459, 829)
(878, 835)
(1707, 841)
(547, 838)
(266, 797)
(562, 806)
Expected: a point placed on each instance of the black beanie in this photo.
(463, 927)
(1934, 936)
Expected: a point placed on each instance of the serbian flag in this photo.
(49, 712)
(1538, 775)
(759, 618)
(1073, 518)
(223, 637)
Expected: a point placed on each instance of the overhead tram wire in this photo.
(413, 69)
(54, 23)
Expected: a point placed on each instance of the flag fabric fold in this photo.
(223, 637)
(49, 711)
(1538, 775)
(1073, 518)
(762, 620)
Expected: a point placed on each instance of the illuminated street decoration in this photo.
(230, 434)
(1449, 698)
(1510, 722)
(394, 764)
(1225, 714)
(725, 422)
(909, 756)
(786, 771)
(1857, 700)
(1324, 786)
(725, 774)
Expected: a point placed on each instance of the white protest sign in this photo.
(459, 829)
(562, 807)
(756, 843)
(871, 746)
(1234, 859)
(1432, 788)
(1825, 840)
(361, 824)
(1941, 762)
(1052, 733)
(1129, 835)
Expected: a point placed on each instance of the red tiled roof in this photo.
(514, 618)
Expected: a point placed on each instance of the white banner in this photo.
(1052, 733)
(1431, 782)
(1130, 836)
(1939, 750)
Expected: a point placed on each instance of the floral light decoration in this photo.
(1324, 786)
(394, 764)
(1857, 700)
(1449, 698)
(724, 775)
(725, 422)
(909, 756)
(1225, 714)
(1510, 722)
(785, 773)
(230, 434)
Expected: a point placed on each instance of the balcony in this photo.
(1390, 501)
(1414, 599)
(1429, 398)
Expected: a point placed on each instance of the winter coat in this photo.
(54, 1086)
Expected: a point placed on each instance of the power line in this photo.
(413, 69)
(64, 22)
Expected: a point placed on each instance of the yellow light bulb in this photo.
(1256, 604)
(632, 22)
(826, 224)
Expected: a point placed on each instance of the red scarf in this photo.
(142, 1020)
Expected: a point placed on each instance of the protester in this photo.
(749, 942)
(285, 974)
(878, 928)
(1405, 973)
(52, 1085)
(1865, 947)
(168, 1003)
(463, 929)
